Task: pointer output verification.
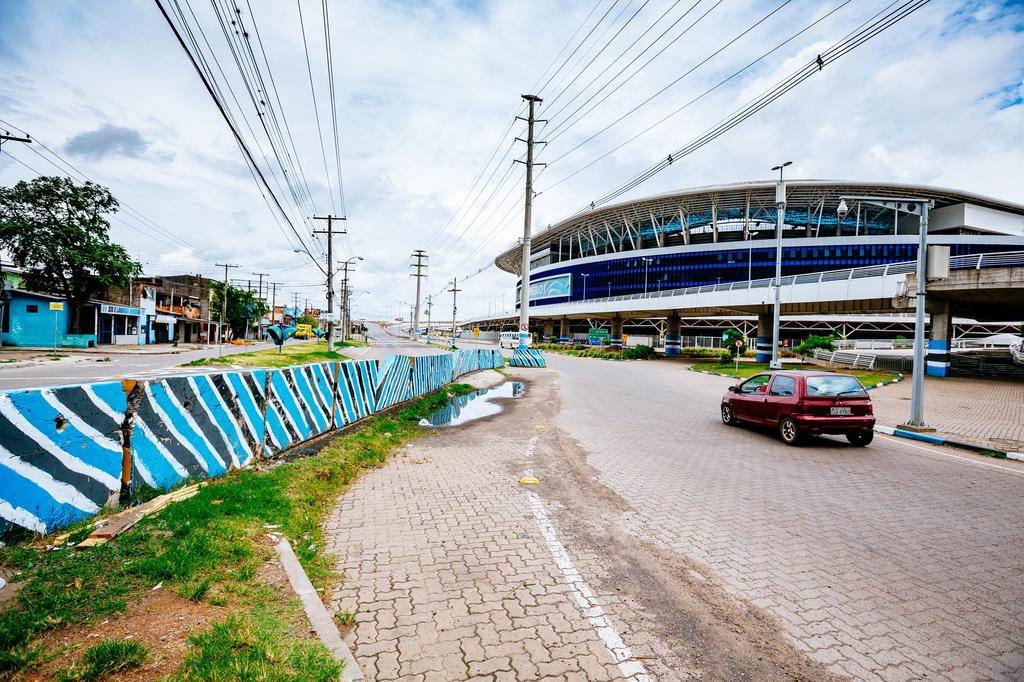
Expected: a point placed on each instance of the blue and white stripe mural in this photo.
(61, 448)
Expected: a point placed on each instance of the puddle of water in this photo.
(476, 405)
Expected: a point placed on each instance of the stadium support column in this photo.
(549, 329)
(563, 330)
(765, 321)
(615, 339)
(673, 335)
(939, 339)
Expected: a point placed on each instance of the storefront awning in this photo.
(166, 319)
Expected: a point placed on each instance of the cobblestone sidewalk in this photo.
(454, 572)
(981, 411)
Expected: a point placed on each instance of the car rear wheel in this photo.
(860, 438)
(789, 432)
(727, 416)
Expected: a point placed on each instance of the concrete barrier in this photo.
(64, 451)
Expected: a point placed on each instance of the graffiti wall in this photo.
(64, 451)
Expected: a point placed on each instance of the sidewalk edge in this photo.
(317, 613)
(995, 453)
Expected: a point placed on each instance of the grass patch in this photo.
(351, 343)
(194, 541)
(106, 658)
(255, 646)
(290, 354)
(345, 618)
(868, 377)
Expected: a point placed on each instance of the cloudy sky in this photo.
(425, 91)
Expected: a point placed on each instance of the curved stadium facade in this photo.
(726, 234)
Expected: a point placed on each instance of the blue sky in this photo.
(426, 89)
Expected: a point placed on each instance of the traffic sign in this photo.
(56, 306)
(524, 327)
(476, 331)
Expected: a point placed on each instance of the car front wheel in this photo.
(789, 431)
(727, 416)
(860, 438)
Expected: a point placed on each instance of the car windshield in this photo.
(834, 385)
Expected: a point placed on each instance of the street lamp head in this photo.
(782, 165)
(842, 209)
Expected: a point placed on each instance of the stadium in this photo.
(649, 261)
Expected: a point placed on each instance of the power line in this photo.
(856, 38)
(227, 119)
(703, 94)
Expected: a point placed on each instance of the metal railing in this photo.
(839, 357)
(971, 262)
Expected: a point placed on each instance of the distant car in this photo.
(802, 403)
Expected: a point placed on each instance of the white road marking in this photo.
(585, 599)
(581, 592)
(935, 451)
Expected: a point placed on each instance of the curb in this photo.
(317, 613)
(936, 440)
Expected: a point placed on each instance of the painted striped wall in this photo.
(61, 448)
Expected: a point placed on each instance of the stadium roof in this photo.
(749, 196)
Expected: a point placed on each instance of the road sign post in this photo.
(56, 308)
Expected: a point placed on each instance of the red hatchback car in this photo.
(803, 403)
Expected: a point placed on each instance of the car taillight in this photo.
(871, 409)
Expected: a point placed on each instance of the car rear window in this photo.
(834, 385)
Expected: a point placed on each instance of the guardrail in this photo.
(839, 357)
(971, 262)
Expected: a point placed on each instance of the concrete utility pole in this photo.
(345, 316)
(7, 137)
(429, 306)
(420, 255)
(455, 293)
(524, 289)
(223, 307)
(273, 303)
(259, 295)
(330, 273)
(780, 217)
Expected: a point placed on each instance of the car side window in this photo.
(783, 386)
(752, 384)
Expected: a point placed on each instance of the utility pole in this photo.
(780, 224)
(420, 255)
(223, 307)
(259, 295)
(524, 288)
(455, 293)
(330, 273)
(273, 303)
(7, 137)
(429, 306)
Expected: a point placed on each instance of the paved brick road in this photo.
(893, 562)
(982, 411)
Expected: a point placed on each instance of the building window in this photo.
(31, 308)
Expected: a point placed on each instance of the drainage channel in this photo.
(476, 405)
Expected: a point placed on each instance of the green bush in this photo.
(814, 343)
(724, 357)
(640, 352)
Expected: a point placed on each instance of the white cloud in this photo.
(425, 90)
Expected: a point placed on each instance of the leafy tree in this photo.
(813, 343)
(308, 319)
(729, 339)
(57, 231)
(242, 306)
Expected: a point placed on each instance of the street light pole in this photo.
(920, 208)
(780, 218)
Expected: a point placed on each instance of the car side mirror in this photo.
(735, 388)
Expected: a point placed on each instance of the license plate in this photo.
(840, 411)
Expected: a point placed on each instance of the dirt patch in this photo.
(702, 630)
(161, 620)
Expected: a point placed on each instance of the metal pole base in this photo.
(917, 428)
